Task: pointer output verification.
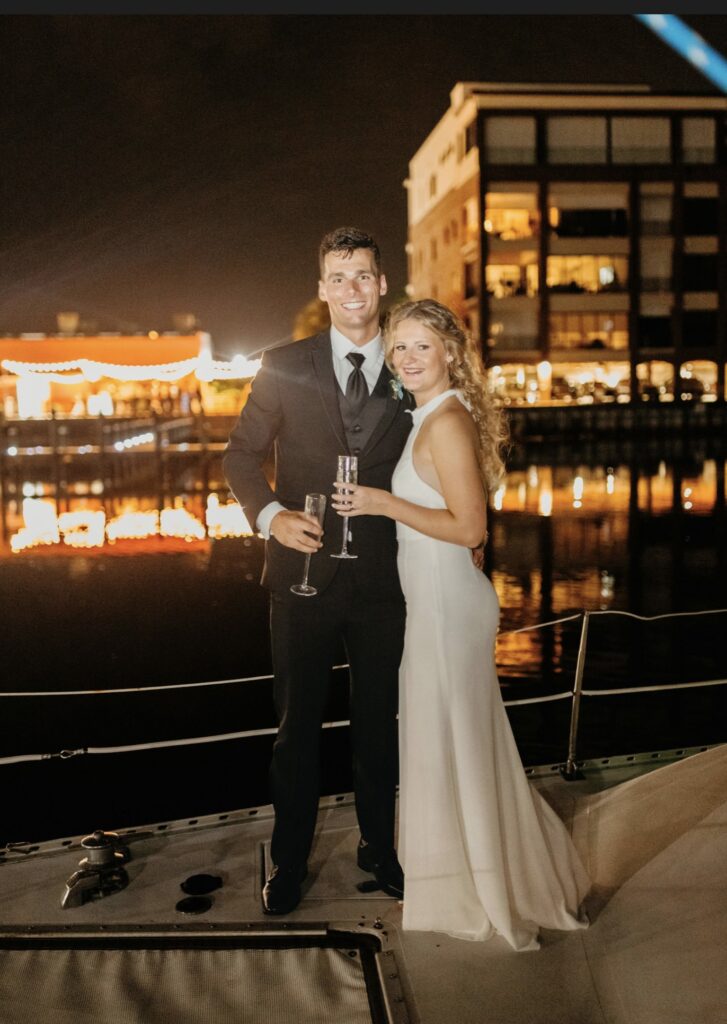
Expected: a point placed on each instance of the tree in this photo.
(311, 319)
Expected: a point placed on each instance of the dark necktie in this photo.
(356, 388)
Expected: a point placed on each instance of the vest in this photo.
(360, 426)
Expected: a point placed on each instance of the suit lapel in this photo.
(328, 386)
(390, 409)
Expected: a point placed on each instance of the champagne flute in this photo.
(315, 505)
(347, 474)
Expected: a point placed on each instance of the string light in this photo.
(91, 370)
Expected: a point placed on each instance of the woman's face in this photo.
(419, 357)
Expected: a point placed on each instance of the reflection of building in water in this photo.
(576, 229)
(113, 374)
(648, 536)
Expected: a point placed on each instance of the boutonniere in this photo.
(396, 388)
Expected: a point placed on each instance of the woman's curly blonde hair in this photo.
(466, 374)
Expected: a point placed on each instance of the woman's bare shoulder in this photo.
(451, 419)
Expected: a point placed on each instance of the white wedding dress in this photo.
(482, 851)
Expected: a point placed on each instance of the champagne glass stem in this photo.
(344, 549)
(306, 570)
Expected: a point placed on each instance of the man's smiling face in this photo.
(352, 288)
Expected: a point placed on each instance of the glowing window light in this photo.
(498, 498)
(32, 395)
(101, 404)
(133, 526)
(610, 483)
(41, 525)
(178, 522)
(689, 44)
(84, 529)
(226, 520)
(12, 450)
(545, 501)
(577, 491)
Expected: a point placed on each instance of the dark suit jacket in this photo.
(293, 406)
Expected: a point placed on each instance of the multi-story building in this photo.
(581, 232)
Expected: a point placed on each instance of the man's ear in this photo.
(383, 286)
(322, 292)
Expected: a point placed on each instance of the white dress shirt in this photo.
(373, 353)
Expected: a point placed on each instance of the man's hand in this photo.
(297, 530)
(478, 553)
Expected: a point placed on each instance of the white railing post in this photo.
(571, 771)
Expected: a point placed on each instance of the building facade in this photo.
(581, 233)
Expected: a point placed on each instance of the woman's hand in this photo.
(355, 500)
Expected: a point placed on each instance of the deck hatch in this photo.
(310, 975)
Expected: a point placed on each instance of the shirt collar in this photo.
(342, 346)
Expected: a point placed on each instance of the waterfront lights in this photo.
(226, 520)
(89, 528)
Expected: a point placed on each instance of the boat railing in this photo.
(569, 768)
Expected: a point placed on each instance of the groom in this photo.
(314, 400)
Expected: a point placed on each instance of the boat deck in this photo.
(653, 836)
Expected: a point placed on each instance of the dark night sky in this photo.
(170, 163)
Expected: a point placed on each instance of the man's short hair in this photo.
(347, 240)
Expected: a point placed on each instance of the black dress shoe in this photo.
(281, 892)
(385, 868)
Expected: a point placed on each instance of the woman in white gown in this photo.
(482, 852)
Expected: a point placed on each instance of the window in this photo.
(698, 380)
(516, 329)
(510, 140)
(509, 274)
(656, 214)
(654, 332)
(577, 140)
(655, 381)
(699, 328)
(698, 140)
(432, 186)
(470, 220)
(700, 272)
(445, 234)
(433, 249)
(656, 265)
(640, 140)
(587, 273)
(470, 280)
(510, 215)
(454, 227)
(587, 210)
(589, 330)
(701, 216)
(592, 224)
(470, 136)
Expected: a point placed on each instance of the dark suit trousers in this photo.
(305, 634)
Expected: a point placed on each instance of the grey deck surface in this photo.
(655, 843)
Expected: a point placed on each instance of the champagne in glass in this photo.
(347, 474)
(315, 505)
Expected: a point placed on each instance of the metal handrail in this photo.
(570, 769)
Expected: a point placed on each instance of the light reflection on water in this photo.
(629, 530)
(644, 536)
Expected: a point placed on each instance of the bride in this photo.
(482, 851)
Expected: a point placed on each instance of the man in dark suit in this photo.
(314, 400)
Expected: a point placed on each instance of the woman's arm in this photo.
(452, 447)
